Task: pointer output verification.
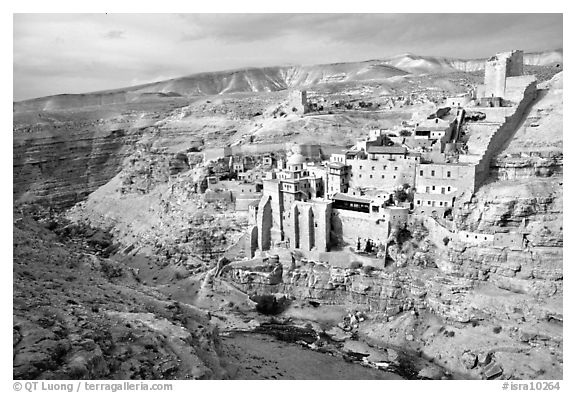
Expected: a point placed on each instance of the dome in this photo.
(296, 159)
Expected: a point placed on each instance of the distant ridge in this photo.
(266, 79)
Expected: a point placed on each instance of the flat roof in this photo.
(386, 149)
(350, 198)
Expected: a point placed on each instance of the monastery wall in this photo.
(381, 174)
(475, 238)
(257, 148)
(348, 226)
(222, 196)
(243, 201)
(269, 217)
(307, 225)
(512, 240)
(216, 153)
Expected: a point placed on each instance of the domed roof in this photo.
(296, 159)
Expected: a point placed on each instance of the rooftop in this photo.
(336, 165)
(433, 124)
(296, 159)
(387, 149)
(349, 198)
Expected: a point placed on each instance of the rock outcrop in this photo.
(82, 316)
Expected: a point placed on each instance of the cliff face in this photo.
(79, 315)
(525, 186)
(498, 300)
(60, 157)
(62, 169)
(500, 305)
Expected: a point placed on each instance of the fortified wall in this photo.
(348, 226)
(526, 84)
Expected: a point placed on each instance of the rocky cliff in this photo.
(80, 315)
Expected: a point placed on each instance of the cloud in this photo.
(115, 34)
(56, 53)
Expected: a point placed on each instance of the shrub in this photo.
(355, 265)
(368, 269)
(109, 270)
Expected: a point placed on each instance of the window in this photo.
(359, 175)
(372, 168)
(448, 188)
(433, 188)
(432, 173)
(395, 168)
(448, 174)
(427, 188)
(360, 166)
(384, 167)
(428, 202)
(421, 173)
(418, 202)
(370, 176)
(394, 176)
(443, 190)
(382, 176)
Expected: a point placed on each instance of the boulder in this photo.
(484, 358)
(356, 348)
(469, 360)
(430, 372)
(492, 371)
(338, 335)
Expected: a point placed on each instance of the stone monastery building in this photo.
(313, 207)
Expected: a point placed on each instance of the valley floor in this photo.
(256, 356)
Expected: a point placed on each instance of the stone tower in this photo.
(498, 68)
(298, 99)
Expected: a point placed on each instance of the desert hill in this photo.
(268, 79)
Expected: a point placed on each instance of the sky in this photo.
(76, 53)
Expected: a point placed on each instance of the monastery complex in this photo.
(358, 197)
